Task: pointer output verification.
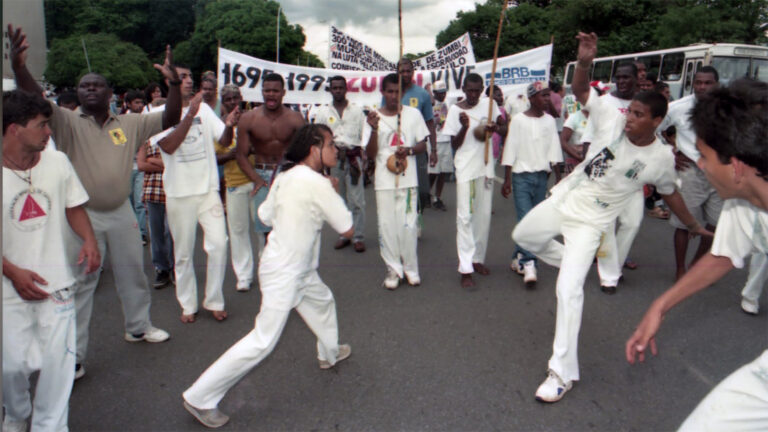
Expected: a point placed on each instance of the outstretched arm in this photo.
(586, 53)
(19, 46)
(172, 112)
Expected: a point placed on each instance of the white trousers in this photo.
(318, 309)
(618, 242)
(758, 274)
(39, 335)
(353, 195)
(536, 233)
(183, 217)
(239, 216)
(473, 221)
(398, 217)
(738, 403)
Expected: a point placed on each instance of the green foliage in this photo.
(123, 64)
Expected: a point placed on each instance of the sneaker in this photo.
(162, 278)
(391, 281)
(439, 205)
(79, 371)
(14, 426)
(212, 418)
(144, 240)
(342, 243)
(553, 388)
(529, 274)
(359, 246)
(153, 335)
(515, 264)
(749, 306)
(344, 352)
(608, 289)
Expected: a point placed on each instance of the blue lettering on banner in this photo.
(516, 75)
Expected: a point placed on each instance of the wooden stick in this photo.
(399, 79)
(493, 76)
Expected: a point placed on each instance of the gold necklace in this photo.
(28, 178)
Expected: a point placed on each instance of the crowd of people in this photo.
(82, 182)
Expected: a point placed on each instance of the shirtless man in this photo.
(266, 132)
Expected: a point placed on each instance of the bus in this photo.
(676, 66)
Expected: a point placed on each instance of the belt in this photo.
(264, 166)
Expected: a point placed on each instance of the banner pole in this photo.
(399, 80)
(493, 76)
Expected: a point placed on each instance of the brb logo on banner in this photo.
(516, 75)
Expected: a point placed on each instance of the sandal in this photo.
(659, 213)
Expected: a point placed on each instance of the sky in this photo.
(374, 22)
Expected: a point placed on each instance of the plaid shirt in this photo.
(153, 182)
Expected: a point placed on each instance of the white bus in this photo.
(676, 66)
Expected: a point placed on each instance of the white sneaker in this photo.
(344, 352)
(153, 335)
(14, 426)
(553, 388)
(391, 281)
(529, 274)
(749, 306)
(79, 371)
(515, 264)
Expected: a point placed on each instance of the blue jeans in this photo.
(162, 243)
(259, 198)
(529, 189)
(137, 187)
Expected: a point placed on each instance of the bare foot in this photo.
(188, 319)
(467, 283)
(629, 264)
(481, 269)
(219, 315)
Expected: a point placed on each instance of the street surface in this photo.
(433, 357)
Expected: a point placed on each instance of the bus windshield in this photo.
(731, 68)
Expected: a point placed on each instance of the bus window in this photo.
(652, 64)
(687, 87)
(569, 74)
(672, 67)
(760, 69)
(602, 71)
(731, 68)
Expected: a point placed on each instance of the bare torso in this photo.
(270, 133)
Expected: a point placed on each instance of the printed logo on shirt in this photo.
(29, 210)
(331, 119)
(414, 102)
(599, 164)
(637, 168)
(394, 141)
(118, 136)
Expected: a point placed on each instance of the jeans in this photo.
(529, 189)
(162, 243)
(137, 187)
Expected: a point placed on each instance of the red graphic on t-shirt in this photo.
(395, 141)
(30, 210)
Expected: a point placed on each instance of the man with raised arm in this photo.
(101, 147)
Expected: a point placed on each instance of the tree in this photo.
(123, 64)
(726, 21)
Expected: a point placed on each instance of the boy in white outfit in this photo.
(474, 176)
(584, 206)
(191, 182)
(397, 194)
(42, 199)
(300, 200)
(733, 156)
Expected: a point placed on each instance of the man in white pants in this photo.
(346, 120)
(396, 193)
(731, 141)
(238, 198)
(441, 170)
(191, 183)
(474, 175)
(42, 200)
(585, 205)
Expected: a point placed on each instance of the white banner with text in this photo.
(455, 54)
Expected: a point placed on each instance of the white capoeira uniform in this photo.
(39, 335)
(298, 203)
(396, 201)
(191, 182)
(474, 185)
(583, 208)
(758, 275)
(739, 402)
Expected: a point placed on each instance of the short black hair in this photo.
(20, 107)
(392, 78)
(337, 78)
(495, 88)
(209, 80)
(655, 101)
(68, 97)
(274, 77)
(404, 60)
(732, 128)
(102, 77)
(133, 95)
(555, 86)
(630, 65)
(149, 89)
(474, 78)
(752, 91)
(710, 70)
(302, 142)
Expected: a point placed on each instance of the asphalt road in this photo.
(433, 357)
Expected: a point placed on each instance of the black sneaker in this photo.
(162, 279)
(439, 205)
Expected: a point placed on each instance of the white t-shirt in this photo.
(440, 110)
(599, 134)
(413, 129)
(191, 169)
(347, 128)
(532, 144)
(470, 157)
(298, 203)
(614, 171)
(35, 226)
(577, 122)
(741, 230)
(685, 137)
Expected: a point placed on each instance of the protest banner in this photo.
(305, 85)
(348, 53)
(454, 54)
